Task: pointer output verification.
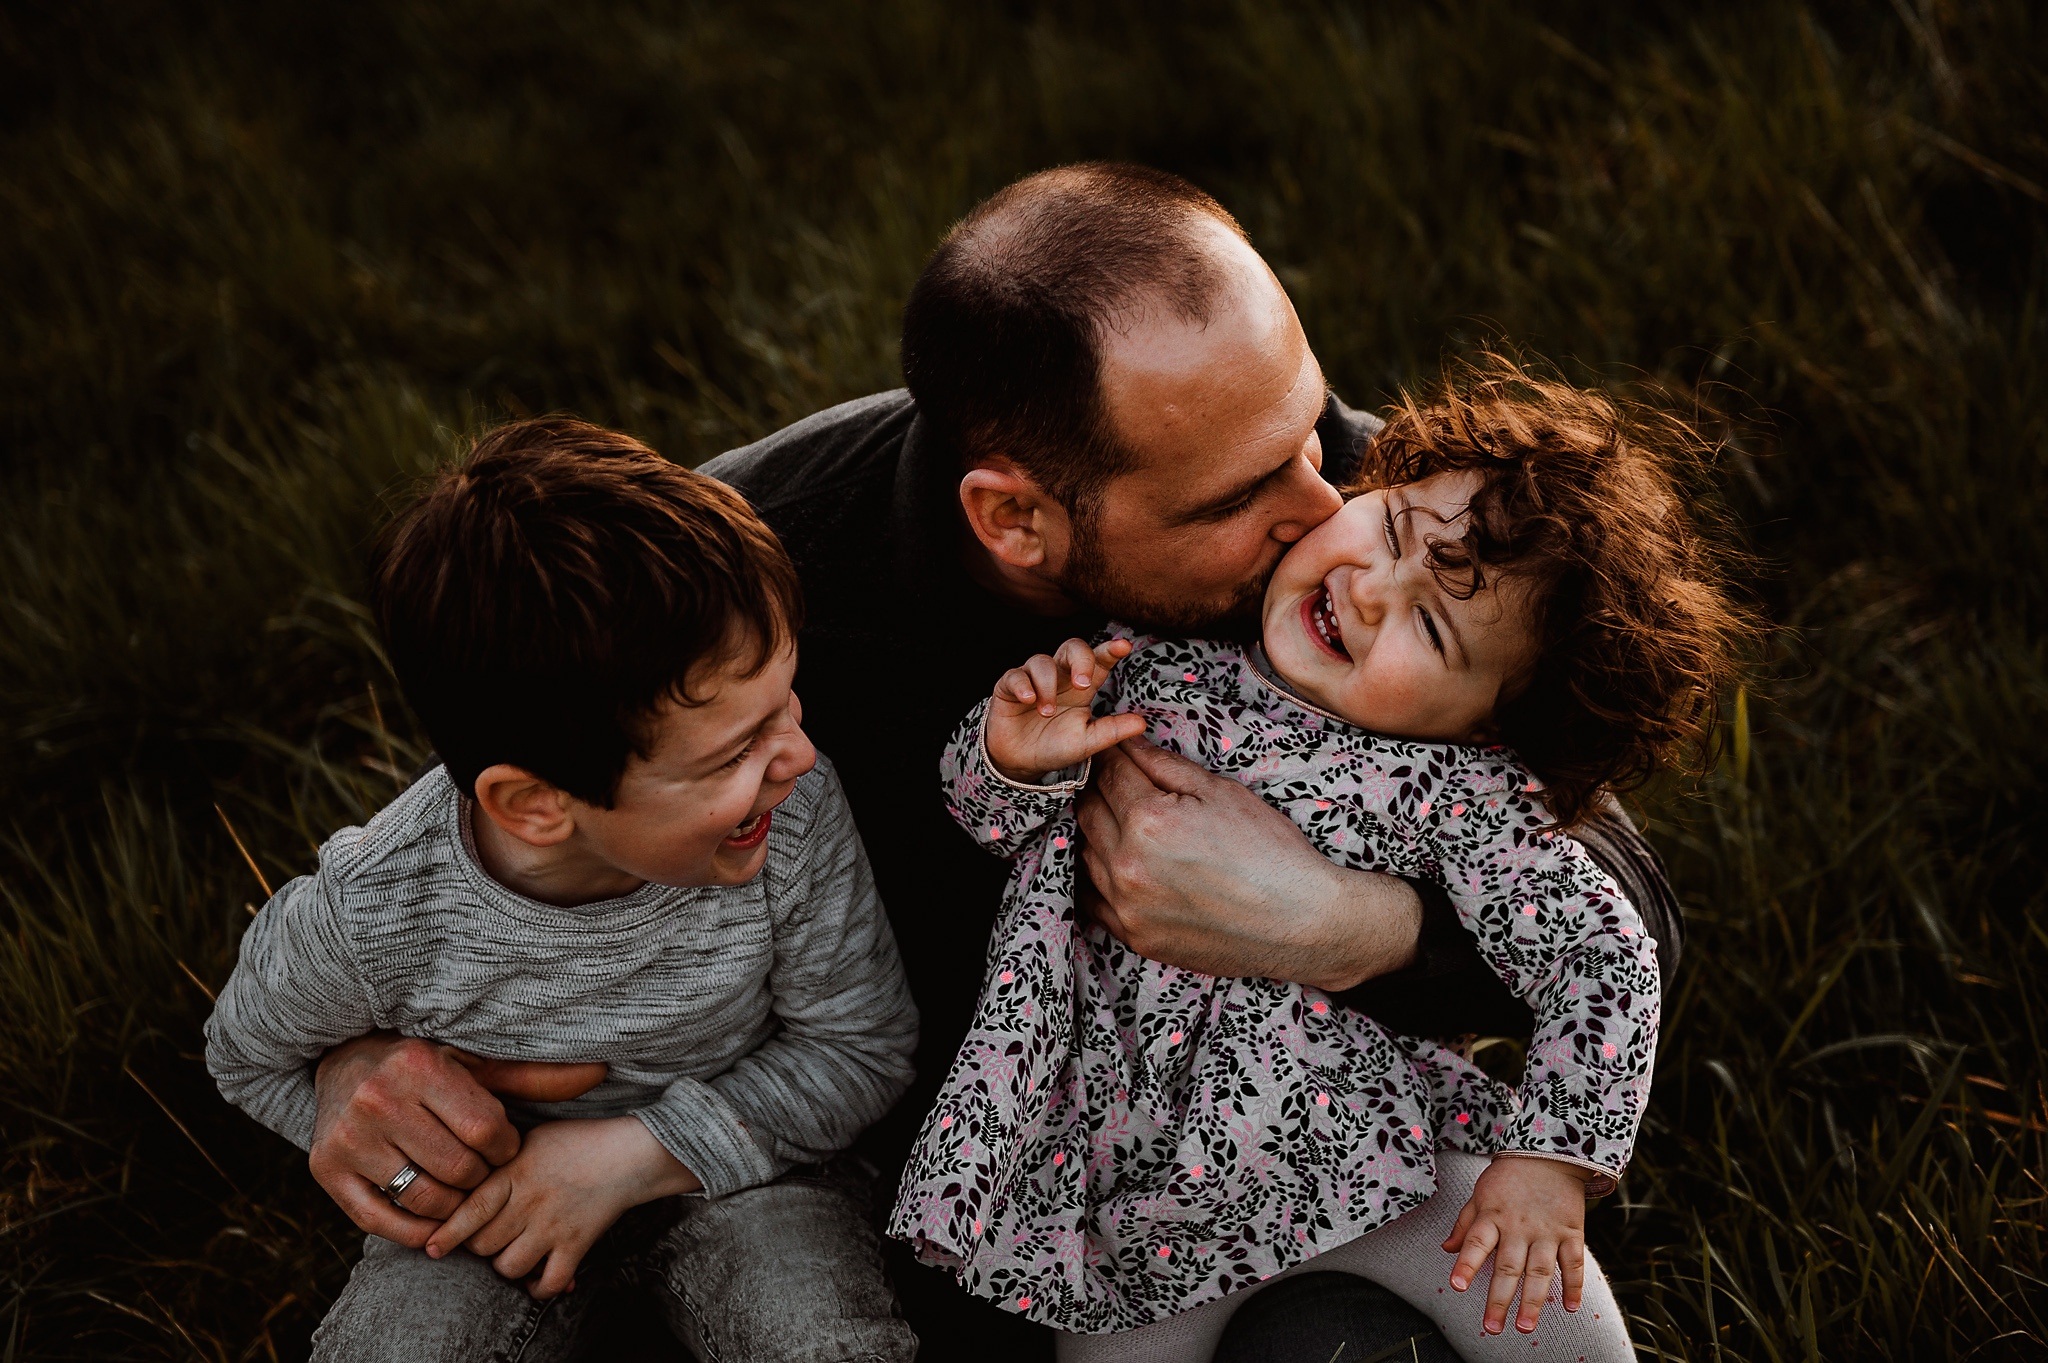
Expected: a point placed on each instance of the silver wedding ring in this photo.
(400, 1181)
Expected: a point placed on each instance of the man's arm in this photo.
(385, 1100)
(1194, 870)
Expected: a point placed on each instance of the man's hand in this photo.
(386, 1101)
(1194, 870)
(1530, 1214)
(564, 1188)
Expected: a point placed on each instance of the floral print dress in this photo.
(1119, 1140)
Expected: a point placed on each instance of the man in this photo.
(1112, 411)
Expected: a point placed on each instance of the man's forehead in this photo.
(1232, 405)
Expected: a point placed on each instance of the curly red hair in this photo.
(1582, 498)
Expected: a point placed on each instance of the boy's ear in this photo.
(1014, 518)
(524, 806)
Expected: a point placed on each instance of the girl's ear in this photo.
(524, 806)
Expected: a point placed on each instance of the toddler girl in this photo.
(1514, 617)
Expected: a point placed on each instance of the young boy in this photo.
(630, 855)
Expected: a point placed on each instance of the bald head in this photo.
(1006, 331)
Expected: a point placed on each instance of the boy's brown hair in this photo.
(551, 589)
(1582, 498)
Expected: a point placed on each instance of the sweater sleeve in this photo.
(1558, 930)
(848, 1028)
(295, 993)
(1000, 814)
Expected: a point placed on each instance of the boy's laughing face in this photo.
(697, 809)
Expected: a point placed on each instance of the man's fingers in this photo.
(1121, 781)
(467, 1111)
(1480, 1238)
(428, 1197)
(1571, 1265)
(1100, 828)
(373, 1213)
(478, 1210)
(1170, 771)
(1536, 1276)
(538, 1081)
(420, 1137)
(1094, 908)
(360, 1153)
(1508, 1263)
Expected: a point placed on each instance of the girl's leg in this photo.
(1407, 1257)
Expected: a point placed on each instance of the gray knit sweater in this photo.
(751, 1027)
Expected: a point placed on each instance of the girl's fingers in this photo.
(478, 1210)
(1571, 1266)
(1112, 652)
(1111, 730)
(1541, 1268)
(1508, 1263)
(1457, 1236)
(1015, 686)
(1079, 661)
(1480, 1238)
(1045, 681)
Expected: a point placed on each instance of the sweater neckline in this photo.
(623, 914)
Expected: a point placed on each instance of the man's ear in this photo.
(1015, 519)
(524, 806)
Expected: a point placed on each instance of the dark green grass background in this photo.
(261, 265)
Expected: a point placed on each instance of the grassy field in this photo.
(261, 265)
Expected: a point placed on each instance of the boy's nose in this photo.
(798, 756)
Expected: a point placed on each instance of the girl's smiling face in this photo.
(1357, 621)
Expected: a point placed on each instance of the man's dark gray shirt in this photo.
(899, 642)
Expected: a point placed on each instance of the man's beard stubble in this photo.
(1089, 577)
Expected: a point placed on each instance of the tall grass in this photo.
(263, 264)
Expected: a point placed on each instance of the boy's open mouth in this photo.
(753, 832)
(1319, 620)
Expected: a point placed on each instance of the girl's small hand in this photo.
(1530, 1214)
(1039, 719)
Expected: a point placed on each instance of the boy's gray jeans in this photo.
(789, 1272)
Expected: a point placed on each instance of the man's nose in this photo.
(1311, 501)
